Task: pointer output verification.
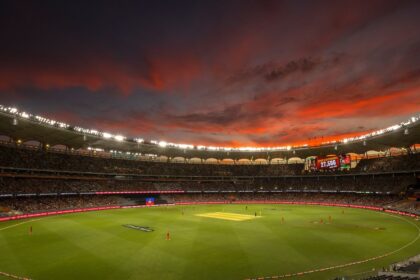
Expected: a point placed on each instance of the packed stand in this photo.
(37, 159)
(42, 204)
(376, 184)
(389, 164)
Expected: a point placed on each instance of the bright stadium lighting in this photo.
(106, 135)
(119, 138)
(185, 146)
(162, 144)
(16, 114)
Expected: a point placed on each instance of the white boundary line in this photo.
(5, 274)
(18, 224)
(351, 263)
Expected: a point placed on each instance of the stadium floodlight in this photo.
(162, 144)
(185, 146)
(15, 112)
(119, 138)
(106, 135)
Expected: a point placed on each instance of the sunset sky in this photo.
(227, 73)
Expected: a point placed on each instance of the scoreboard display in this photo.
(342, 162)
(327, 163)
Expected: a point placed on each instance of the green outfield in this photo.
(206, 242)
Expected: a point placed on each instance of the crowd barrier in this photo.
(80, 210)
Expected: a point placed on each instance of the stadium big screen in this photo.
(327, 163)
(331, 162)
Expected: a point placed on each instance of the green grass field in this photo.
(96, 245)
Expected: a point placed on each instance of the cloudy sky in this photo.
(231, 73)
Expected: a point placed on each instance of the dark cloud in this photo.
(302, 65)
(224, 117)
(214, 72)
(271, 71)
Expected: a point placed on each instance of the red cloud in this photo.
(157, 74)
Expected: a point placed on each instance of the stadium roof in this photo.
(24, 127)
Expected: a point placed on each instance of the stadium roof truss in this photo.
(24, 129)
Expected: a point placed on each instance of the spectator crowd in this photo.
(372, 182)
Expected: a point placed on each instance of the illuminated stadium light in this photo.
(119, 138)
(95, 149)
(185, 146)
(15, 113)
(162, 144)
(106, 135)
